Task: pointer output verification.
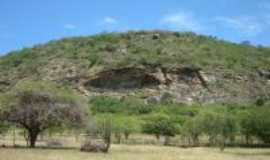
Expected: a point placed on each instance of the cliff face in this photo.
(181, 85)
(154, 66)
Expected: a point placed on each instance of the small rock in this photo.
(93, 147)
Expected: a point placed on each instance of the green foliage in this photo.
(247, 124)
(256, 123)
(169, 49)
(177, 109)
(125, 124)
(120, 125)
(54, 89)
(192, 129)
(161, 125)
(218, 124)
(105, 104)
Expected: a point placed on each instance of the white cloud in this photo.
(183, 21)
(109, 20)
(70, 26)
(248, 25)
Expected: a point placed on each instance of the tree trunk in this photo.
(222, 144)
(26, 137)
(195, 140)
(33, 138)
(107, 143)
(167, 140)
(107, 135)
(126, 136)
(247, 138)
(118, 138)
(14, 137)
(157, 136)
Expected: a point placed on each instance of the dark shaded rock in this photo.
(123, 79)
(264, 73)
(93, 147)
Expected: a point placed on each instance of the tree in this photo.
(192, 129)
(106, 134)
(219, 126)
(161, 125)
(255, 123)
(131, 125)
(36, 109)
(247, 126)
(261, 125)
(101, 126)
(124, 125)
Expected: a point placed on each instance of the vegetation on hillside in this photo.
(30, 101)
(142, 48)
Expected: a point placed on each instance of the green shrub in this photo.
(192, 129)
(256, 122)
(218, 124)
(105, 104)
(161, 125)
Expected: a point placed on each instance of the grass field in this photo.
(136, 152)
(124, 152)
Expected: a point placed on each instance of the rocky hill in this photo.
(150, 65)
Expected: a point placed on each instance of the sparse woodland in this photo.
(180, 89)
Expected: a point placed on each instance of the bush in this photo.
(256, 122)
(247, 125)
(192, 129)
(124, 125)
(161, 125)
(104, 104)
(219, 126)
(262, 125)
(129, 106)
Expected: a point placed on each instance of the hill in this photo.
(155, 66)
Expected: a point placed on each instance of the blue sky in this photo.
(24, 23)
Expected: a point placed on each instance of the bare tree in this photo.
(38, 111)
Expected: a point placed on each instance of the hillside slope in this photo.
(155, 66)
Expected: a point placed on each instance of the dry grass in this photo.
(124, 152)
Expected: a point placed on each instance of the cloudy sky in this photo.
(28, 22)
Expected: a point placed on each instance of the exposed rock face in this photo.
(184, 85)
(122, 79)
